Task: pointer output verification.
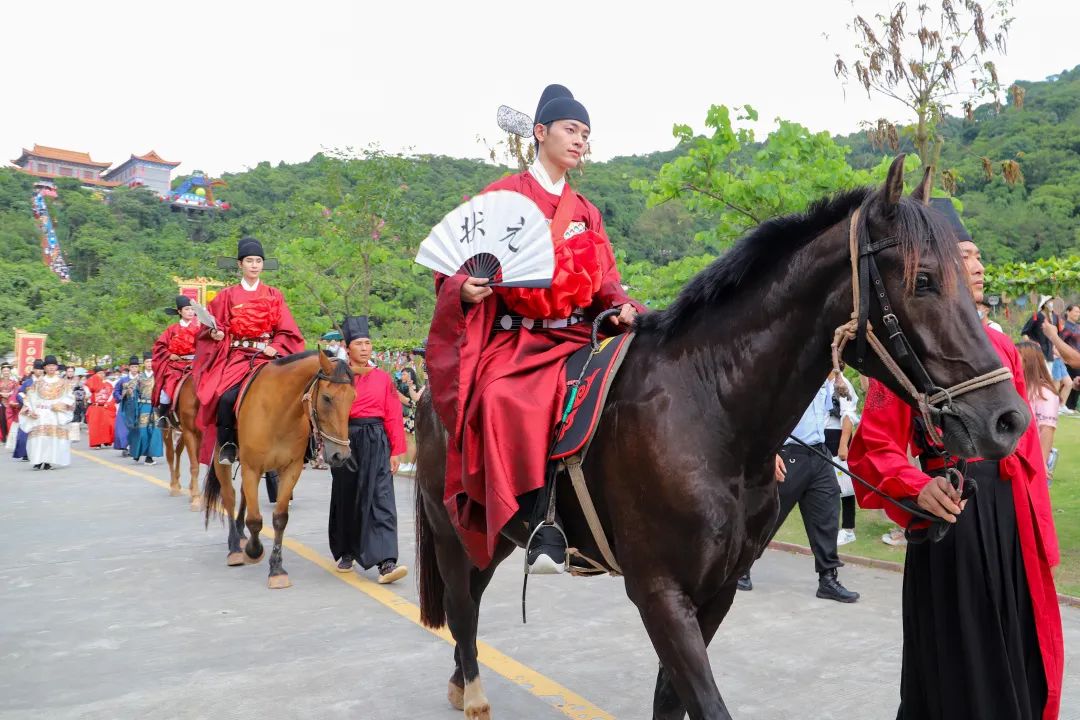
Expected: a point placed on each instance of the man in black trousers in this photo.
(811, 482)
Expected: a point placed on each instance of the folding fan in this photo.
(500, 235)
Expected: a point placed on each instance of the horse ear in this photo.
(925, 188)
(326, 363)
(894, 181)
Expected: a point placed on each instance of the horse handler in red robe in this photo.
(496, 355)
(982, 627)
(254, 325)
(173, 354)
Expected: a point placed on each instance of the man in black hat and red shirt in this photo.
(174, 353)
(496, 355)
(363, 512)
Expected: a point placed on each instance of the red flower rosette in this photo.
(577, 279)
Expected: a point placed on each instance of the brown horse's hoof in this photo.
(174, 491)
(234, 559)
(196, 504)
(279, 582)
(478, 711)
(456, 695)
(254, 561)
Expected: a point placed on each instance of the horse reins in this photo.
(313, 414)
(930, 399)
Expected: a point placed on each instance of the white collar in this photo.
(540, 173)
(185, 323)
(247, 287)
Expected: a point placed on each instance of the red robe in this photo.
(500, 394)
(175, 340)
(8, 389)
(878, 453)
(100, 411)
(259, 314)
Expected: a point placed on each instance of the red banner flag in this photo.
(28, 348)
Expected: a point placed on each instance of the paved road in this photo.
(116, 603)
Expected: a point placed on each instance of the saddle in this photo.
(589, 374)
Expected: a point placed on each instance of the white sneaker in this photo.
(1066, 411)
(845, 536)
(896, 539)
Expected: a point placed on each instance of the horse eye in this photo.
(326, 398)
(922, 282)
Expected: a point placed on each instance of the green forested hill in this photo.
(346, 229)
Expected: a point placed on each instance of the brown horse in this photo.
(185, 436)
(681, 468)
(274, 426)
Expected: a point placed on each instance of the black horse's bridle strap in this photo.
(902, 363)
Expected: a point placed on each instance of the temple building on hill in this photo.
(49, 162)
(149, 171)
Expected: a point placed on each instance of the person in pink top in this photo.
(363, 513)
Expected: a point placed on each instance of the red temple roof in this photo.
(154, 158)
(71, 156)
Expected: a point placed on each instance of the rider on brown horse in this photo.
(495, 355)
(253, 325)
(173, 354)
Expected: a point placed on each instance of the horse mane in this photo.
(342, 371)
(774, 240)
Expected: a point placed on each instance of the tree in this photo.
(925, 60)
(737, 183)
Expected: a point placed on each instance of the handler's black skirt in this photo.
(363, 514)
(970, 648)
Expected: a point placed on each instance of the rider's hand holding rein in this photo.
(940, 498)
(626, 315)
(269, 351)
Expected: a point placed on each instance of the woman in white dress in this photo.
(47, 410)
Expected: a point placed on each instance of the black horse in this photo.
(681, 469)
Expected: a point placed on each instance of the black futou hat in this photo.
(182, 301)
(249, 246)
(948, 210)
(355, 326)
(49, 360)
(39, 364)
(558, 103)
(147, 355)
(134, 360)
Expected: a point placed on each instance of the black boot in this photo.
(227, 443)
(271, 485)
(829, 588)
(163, 415)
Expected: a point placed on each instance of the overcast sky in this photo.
(224, 85)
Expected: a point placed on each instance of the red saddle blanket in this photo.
(588, 379)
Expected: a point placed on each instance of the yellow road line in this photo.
(561, 698)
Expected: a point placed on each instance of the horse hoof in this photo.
(174, 492)
(279, 582)
(234, 559)
(456, 696)
(478, 711)
(252, 561)
(196, 504)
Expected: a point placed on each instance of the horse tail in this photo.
(211, 493)
(429, 582)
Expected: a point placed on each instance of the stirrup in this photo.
(222, 458)
(544, 564)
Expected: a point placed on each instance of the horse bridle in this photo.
(903, 364)
(313, 414)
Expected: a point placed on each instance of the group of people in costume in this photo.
(981, 627)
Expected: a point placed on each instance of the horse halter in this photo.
(931, 400)
(313, 414)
